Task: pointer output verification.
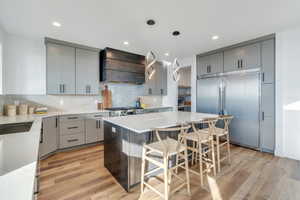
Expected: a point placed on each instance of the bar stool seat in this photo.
(194, 136)
(218, 131)
(168, 144)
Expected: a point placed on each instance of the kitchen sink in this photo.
(15, 128)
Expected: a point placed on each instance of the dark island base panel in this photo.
(123, 153)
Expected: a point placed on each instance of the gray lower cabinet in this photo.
(87, 72)
(242, 58)
(60, 69)
(71, 131)
(157, 85)
(49, 136)
(210, 64)
(94, 127)
(72, 140)
(93, 130)
(268, 61)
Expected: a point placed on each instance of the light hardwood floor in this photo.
(81, 175)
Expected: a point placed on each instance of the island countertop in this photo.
(147, 122)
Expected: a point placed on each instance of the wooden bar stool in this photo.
(165, 149)
(202, 146)
(221, 136)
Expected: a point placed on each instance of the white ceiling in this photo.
(101, 23)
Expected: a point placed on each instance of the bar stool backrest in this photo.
(226, 119)
(211, 122)
(182, 129)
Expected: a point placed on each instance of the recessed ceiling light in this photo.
(150, 22)
(215, 37)
(176, 33)
(167, 54)
(57, 24)
(126, 43)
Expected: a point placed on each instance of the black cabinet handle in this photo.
(150, 91)
(263, 116)
(56, 122)
(238, 64)
(161, 91)
(263, 77)
(73, 140)
(72, 117)
(42, 136)
(241, 63)
(73, 127)
(60, 88)
(97, 124)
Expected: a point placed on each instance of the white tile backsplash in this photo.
(122, 95)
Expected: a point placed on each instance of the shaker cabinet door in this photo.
(87, 72)
(251, 56)
(268, 61)
(49, 137)
(91, 130)
(231, 60)
(60, 69)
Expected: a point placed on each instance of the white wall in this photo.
(288, 93)
(2, 38)
(25, 66)
(191, 61)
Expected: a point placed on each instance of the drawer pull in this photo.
(72, 117)
(74, 127)
(73, 140)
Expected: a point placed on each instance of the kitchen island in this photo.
(124, 137)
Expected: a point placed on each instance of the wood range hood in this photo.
(121, 67)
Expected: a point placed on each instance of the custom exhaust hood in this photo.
(121, 67)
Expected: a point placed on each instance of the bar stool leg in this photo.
(228, 149)
(218, 153)
(201, 164)
(166, 184)
(186, 165)
(143, 170)
(213, 157)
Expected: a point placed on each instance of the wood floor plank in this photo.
(81, 175)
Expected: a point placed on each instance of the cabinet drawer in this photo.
(67, 118)
(97, 115)
(71, 140)
(71, 127)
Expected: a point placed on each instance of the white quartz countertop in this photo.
(147, 122)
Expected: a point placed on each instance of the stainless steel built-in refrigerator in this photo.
(237, 94)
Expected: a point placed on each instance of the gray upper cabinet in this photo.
(157, 85)
(210, 64)
(268, 61)
(242, 58)
(87, 72)
(60, 69)
(49, 137)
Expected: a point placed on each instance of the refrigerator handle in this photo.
(224, 100)
(220, 106)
